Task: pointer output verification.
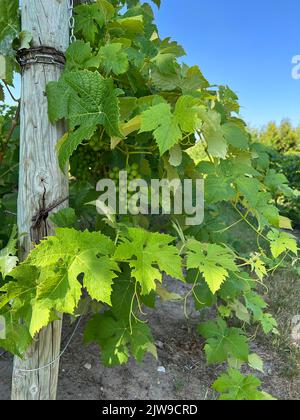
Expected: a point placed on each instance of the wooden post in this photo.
(40, 180)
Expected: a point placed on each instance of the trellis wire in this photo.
(58, 357)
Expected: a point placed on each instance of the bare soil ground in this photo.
(180, 353)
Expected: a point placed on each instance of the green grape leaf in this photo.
(165, 63)
(198, 152)
(80, 253)
(249, 187)
(9, 25)
(192, 80)
(148, 255)
(23, 286)
(160, 119)
(113, 59)
(25, 39)
(282, 242)
(70, 141)
(258, 266)
(167, 296)
(165, 82)
(277, 183)
(223, 342)
(213, 133)
(117, 339)
(8, 260)
(90, 18)
(40, 317)
(87, 100)
(269, 324)
(14, 336)
(131, 26)
(21, 294)
(236, 136)
(265, 212)
(122, 295)
(79, 56)
(57, 290)
(213, 261)
(64, 218)
(186, 113)
(217, 189)
(241, 311)
(236, 387)
(256, 304)
(255, 362)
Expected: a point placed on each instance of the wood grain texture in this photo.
(40, 177)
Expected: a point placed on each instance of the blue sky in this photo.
(247, 45)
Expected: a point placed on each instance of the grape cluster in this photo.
(132, 172)
(86, 164)
(98, 143)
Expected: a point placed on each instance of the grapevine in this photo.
(130, 105)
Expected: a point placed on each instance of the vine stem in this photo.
(10, 92)
(9, 170)
(229, 227)
(189, 294)
(249, 223)
(14, 124)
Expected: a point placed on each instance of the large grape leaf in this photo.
(213, 261)
(75, 253)
(57, 290)
(167, 127)
(186, 113)
(14, 336)
(233, 386)
(148, 254)
(236, 135)
(163, 123)
(87, 100)
(113, 58)
(223, 342)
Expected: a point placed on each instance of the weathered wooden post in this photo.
(41, 181)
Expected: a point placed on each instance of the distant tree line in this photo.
(283, 137)
(282, 144)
